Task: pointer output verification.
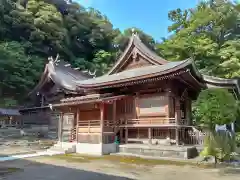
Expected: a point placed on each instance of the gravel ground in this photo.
(43, 168)
(11, 143)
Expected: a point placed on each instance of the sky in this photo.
(151, 16)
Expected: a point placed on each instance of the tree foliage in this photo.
(215, 106)
(32, 30)
(209, 34)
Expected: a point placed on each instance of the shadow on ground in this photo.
(26, 169)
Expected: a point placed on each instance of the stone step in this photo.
(153, 152)
(169, 152)
(62, 148)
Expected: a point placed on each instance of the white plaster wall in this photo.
(92, 149)
(109, 148)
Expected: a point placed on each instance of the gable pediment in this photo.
(135, 60)
(136, 55)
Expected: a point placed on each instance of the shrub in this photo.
(237, 139)
(221, 145)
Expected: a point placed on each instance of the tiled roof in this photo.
(136, 73)
(62, 75)
(219, 81)
(215, 82)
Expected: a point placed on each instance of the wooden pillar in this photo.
(60, 123)
(189, 112)
(42, 100)
(3, 123)
(77, 119)
(114, 116)
(121, 135)
(177, 118)
(101, 122)
(150, 135)
(170, 113)
(126, 132)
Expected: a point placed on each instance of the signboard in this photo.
(152, 105)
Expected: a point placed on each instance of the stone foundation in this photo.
(95, 149)
(158, 151)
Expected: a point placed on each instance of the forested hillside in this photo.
(32, 30)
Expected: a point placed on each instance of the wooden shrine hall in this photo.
(143, 99)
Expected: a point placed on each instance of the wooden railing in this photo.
(142, 121)
(109, 123)
(88, 123)
(150, 121)
(94, 123)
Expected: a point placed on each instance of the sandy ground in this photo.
(43, 168)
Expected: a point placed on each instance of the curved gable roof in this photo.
(135, 74)
(135, 42)
(62, 75)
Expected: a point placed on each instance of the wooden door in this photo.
(67, 125)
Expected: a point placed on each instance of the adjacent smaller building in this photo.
(9, 117)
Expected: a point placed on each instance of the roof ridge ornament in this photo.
(51, 60)
(92, 73)
(56, 59)
(134, 32)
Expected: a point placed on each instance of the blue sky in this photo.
(149, 15)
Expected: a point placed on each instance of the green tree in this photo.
(32, 30)
(49, 34)
(215, 106)
(121, 40)
(19, 72)
(209, 34)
